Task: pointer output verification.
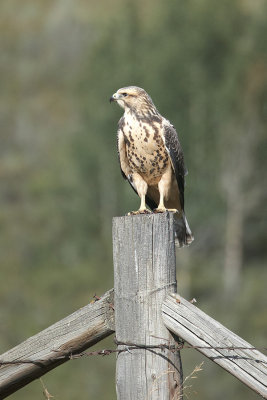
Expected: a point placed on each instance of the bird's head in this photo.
(135, 99)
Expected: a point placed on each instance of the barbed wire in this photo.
(129, 347)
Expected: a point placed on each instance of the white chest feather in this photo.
(145, 147)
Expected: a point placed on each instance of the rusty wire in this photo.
(129, 347)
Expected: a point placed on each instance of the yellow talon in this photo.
(140, 211)
(163, 209)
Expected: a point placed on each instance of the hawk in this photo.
(151, 158)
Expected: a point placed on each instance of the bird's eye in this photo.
(124, 94)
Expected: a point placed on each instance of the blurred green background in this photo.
(204, 63)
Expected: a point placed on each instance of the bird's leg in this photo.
(164, 187)
(143, 203)
(141, 188)
(161, 207)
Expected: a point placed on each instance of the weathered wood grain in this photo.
(53, 346)
(198, 329)
(144, 272)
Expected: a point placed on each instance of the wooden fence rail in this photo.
(54, 345)
(216, 342)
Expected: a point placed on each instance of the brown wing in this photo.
(175, 151)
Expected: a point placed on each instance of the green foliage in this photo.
(204, 65)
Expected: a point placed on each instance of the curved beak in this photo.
(115, 97)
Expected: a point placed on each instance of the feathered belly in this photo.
(149, 162)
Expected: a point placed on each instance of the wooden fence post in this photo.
(144, 272)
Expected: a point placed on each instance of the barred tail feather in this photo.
(183, 234)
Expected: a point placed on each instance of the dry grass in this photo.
(184, 392)
(46, 394)
(187, 388)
